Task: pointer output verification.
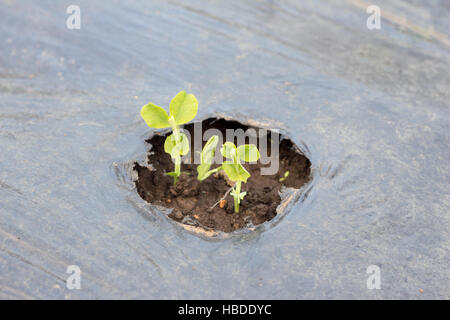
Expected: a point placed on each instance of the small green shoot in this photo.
(206, 158)
(286, 174)
(234, 169)
(183, 108)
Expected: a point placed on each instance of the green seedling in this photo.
(183, 108)
(206, 159)
(286, 174)
(234, 169)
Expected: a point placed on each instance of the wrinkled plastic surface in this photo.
(370, 107)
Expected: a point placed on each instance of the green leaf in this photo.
(172, 174)
(175, 176)
(154, 116)
(174, 148)
(228, 150)
(204, 172)
(286, 174)
(235, 171)
(183, 107)
(240, 196)
(207, 154)
(184, 144)
(248, 153)
(169, 144)
(206, 158)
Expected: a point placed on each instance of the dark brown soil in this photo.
(192, 200)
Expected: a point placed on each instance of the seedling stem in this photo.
(237, 199)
